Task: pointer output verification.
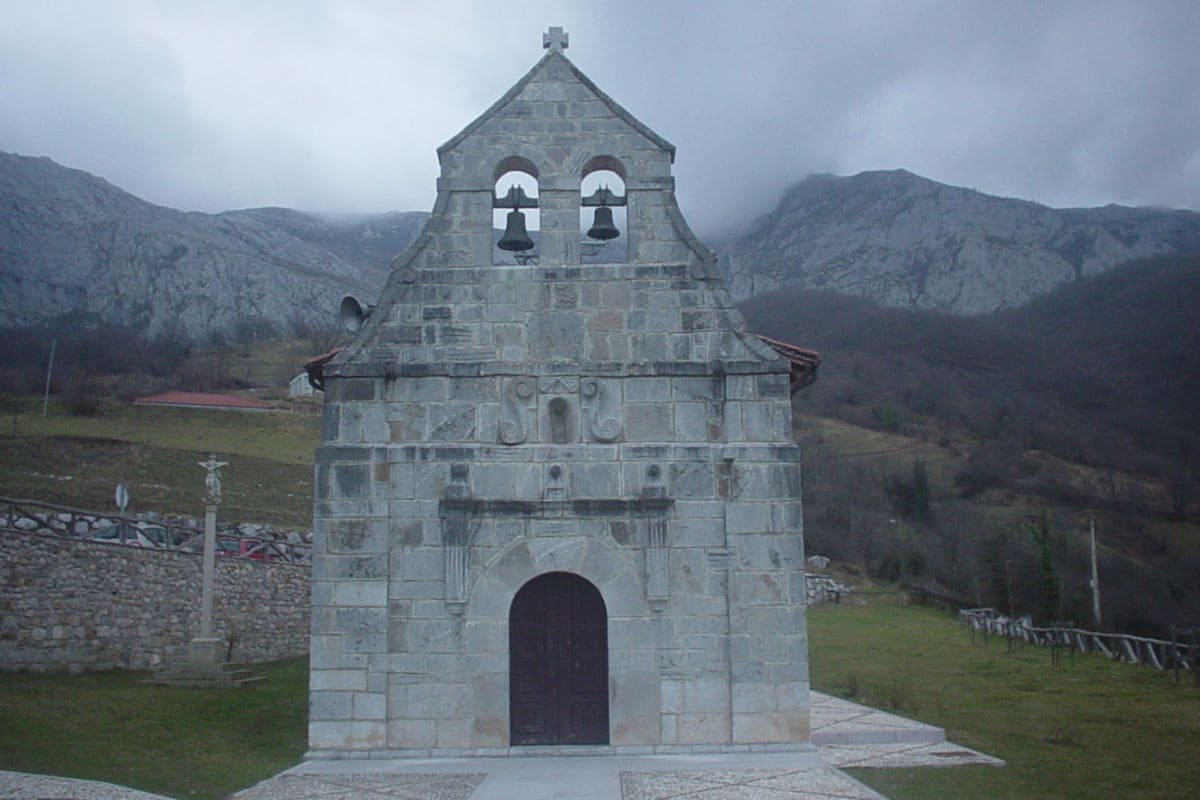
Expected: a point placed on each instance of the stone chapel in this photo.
(557, 498)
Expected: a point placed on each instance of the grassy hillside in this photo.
(78, 461)
(888, 505)
(984, 430)
(929, 448)
(1103, 372)
(1083, 728)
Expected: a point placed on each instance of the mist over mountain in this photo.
(903, 240)
(72, 243)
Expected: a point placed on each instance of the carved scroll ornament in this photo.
(602, 410)
(514, 410)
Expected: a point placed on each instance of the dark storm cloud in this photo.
(1061, 103)
(339, 106)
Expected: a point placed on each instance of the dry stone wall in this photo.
(83, 605)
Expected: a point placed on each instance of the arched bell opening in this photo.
(516, 224)
(558, 662)
(603, 219)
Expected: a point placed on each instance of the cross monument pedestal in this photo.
(205, 665)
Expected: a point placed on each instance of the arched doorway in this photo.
(558, 662)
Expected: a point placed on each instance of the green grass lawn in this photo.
(1086, 728)
(185, 743)
(77, 461)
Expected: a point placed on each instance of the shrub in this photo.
(82, 398)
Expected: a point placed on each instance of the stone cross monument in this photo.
(205, 656)
(212, 498)
(205, 664)
(557, 501)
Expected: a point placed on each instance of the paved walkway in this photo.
(845, 735)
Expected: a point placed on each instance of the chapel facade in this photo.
(557, 499)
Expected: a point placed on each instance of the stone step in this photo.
(226, 676)
(245, 677)
(836, 721)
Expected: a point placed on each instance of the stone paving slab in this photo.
(795, 775)
(837, 721)
(23, 786)
(395, 786)
(884, 756)
(741, 784)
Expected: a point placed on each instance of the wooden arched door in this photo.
(558, 662)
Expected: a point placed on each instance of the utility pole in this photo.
(1095, 578)
(49, 371)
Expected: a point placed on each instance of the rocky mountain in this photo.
(72, 243)
(903, 240)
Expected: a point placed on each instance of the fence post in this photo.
(1175, 653)
(1194, 657)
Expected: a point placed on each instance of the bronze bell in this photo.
(602, 225)
(515, 238)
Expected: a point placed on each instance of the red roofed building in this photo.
(216, 402)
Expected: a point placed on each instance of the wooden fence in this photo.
(1182, 653)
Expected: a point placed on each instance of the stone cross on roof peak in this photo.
(555, 39)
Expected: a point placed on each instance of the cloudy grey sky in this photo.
(339, 105)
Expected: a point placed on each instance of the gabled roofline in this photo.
(613, 106)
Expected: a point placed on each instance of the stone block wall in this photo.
(670, 483)
(81, 605)
(494, 424)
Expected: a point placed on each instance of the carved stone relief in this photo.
(560, 421)
(602, 410)
(456, 534)
(591, 403)
(658, 578)
(558, 385)
(514, 410)
(555, 483)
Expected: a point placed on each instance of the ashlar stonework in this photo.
(557, 503)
